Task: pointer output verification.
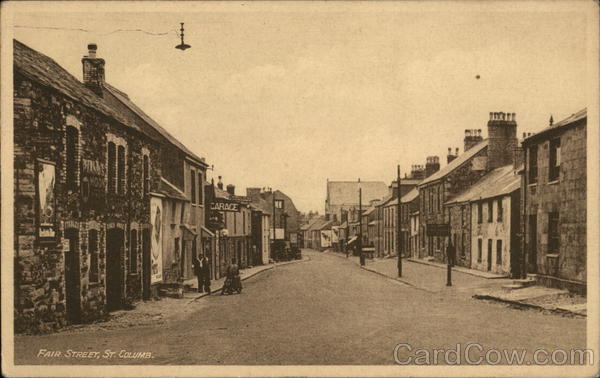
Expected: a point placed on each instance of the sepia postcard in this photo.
(300, 188)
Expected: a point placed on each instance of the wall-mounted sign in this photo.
(438, 229)
(46, 205)
(221, 204)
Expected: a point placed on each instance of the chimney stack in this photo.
(252, 192)
(451, 157)
(432, 165)
(93, 70)
(473, 137)
(502, 140)
(220, 183)
(231, 189)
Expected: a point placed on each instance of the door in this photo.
(489, 255)
(72, 276)
(114, 276)
(532, 253)
(146, 263)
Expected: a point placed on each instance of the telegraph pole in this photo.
(398, 228)
(273, 219)
(360, 252)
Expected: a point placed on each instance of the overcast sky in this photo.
(291, 97)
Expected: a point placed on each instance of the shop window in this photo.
(133, 252)
(112, 167)
(72, 153)
(554, 171)
(553, 234)
(94, 261)
(533, 164)
(498, 252)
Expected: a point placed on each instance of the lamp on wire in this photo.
(182, 46)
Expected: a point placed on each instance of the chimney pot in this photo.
(92, 47)
(491, 115)
(456, 151)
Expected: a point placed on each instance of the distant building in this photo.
(286, 217)
(343, 195)
(554, 197)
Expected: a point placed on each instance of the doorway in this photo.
(72, 276)
(489, 255)
(532, 253)
(114, 279)
(146, 264)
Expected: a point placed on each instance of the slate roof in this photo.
(170, 190)
(262, 205)
(408, 197)
(456, 163)
(500, 181)
(569, 121)
(346, 192)
(121, 96)
(45, 71)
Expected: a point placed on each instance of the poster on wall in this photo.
(156, 240)
(46, 181)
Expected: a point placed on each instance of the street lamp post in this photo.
(360, 251)
(398, 228)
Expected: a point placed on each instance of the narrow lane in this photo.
(324, 311)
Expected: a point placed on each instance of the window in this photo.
(500, 210)
(112, 167)
(121, 169)
(200, 189)
(234, 223)
(498, 252)
(72, 152)
(554, 170)
(490, 209)
(479, 212)
(479, 249)
(133, 247)
(439, 198)
(176, 247)
(146, 174)
(553, 235)
(193, 186)
(533, 165)
(279, 204)
(93, 248)
(173, 212)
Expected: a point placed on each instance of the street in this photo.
(323, 311)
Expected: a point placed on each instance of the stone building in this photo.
(554, 197)
(261, 231)
(83, 173)
(485, 223)
(479, 157)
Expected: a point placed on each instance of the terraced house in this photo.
(83, 171)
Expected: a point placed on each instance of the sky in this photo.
(288, 96)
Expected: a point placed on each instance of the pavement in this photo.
(427, 276)
(325, 311)
(216, 285)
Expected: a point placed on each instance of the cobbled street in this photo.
(323, 311)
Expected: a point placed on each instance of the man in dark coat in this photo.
(205, 269)
(198, 273)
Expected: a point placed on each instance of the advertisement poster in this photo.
(156, 240)
(46, 175)
(326, 238)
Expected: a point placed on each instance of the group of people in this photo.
(202, 271)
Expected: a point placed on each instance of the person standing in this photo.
(205, 269)
(198, 272)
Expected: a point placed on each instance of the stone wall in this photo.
(568, 197)
(41, 117)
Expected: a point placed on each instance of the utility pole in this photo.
(398, 228)
(273, 218)
(360, 251)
